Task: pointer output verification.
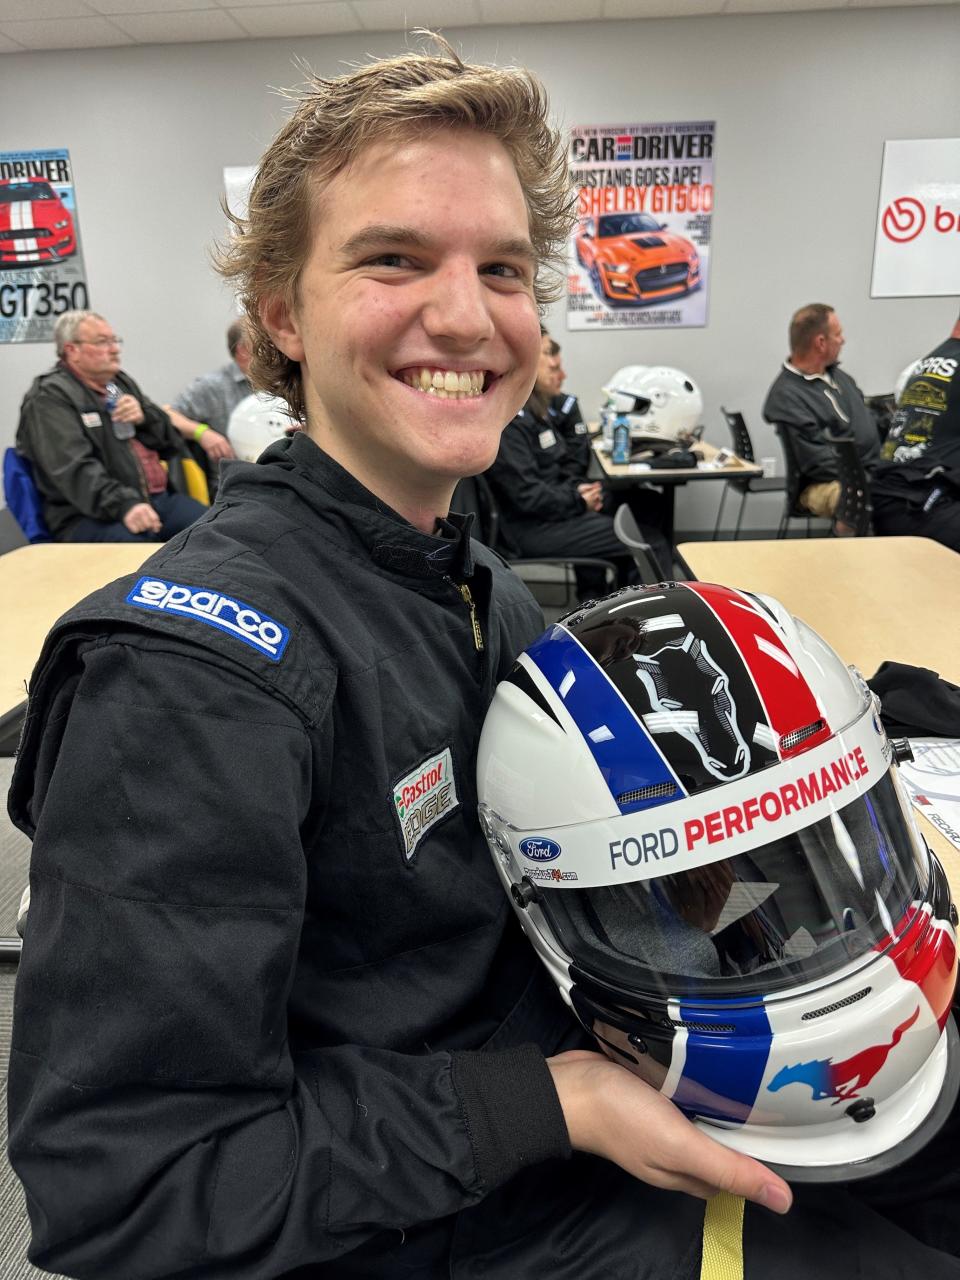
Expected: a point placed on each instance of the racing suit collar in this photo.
(392, 542)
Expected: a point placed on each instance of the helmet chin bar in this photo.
(845, 1152)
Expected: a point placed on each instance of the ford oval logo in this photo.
(539, 849)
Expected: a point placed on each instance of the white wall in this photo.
(803, 103)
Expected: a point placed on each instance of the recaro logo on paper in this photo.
(233, 617)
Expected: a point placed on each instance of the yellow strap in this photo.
(723, 1238)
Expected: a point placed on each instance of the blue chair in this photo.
(23, 498)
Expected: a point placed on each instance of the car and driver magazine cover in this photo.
(640, 251)
(41, 264)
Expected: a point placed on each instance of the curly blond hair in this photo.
(385, 101)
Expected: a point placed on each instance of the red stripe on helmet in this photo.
(787, 698)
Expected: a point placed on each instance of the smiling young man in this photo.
(274, 1015)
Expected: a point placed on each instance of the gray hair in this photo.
(65, 329)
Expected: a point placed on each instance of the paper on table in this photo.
(932, 780)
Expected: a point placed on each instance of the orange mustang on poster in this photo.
(640, 251)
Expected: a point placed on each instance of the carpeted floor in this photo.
(14, 861)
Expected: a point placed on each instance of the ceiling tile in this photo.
(36, 10)
(65, 33)
(782, 6)
(296, 19)
(404, 15)
(147, 6)
(889, 4)
(179, 28)
(540, 10)
(659, 8)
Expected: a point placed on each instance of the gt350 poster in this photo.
(41, 266)
(640, 254)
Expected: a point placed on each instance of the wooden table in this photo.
(37, 584)
(623, 475)
(872, 599)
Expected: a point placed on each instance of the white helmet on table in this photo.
(663, 406)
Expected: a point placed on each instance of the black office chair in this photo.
(628, 531)
(855, 508)
(794, 486)
(743, 447)
(473, 493)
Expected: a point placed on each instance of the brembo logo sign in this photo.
(916, 248)
(903, 219)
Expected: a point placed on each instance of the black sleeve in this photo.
(158, 1120)
(56, 441)
(816, 457)
(519, 482)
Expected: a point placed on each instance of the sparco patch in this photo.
(422, 798)
(237, 619)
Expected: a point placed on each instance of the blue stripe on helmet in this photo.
(620, 745)
(723, 1070)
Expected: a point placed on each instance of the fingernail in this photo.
(775, 1197)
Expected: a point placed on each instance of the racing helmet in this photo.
(697, 813)
(663, 406)
(257, 422)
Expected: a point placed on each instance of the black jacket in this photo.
(922, 450)
(815, 409)
(249, 995)
(79, 466)
(534, 477)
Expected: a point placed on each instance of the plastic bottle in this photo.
(112, 394)
(621, 439)
(607, 415)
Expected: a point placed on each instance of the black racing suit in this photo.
(256, 961)
(566, 417)
(79, 466)
(916, 488)
(274, 1016)
(535, 480)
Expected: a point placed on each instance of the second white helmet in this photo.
(663, 405)
(257, 422)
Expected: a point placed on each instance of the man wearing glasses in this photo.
(97, 444)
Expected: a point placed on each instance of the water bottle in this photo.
(607, 416)
(111, 398)
(621, 439)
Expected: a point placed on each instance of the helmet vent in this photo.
(793, 739)
(659, 791)
(703, 1026)
(841, 1004)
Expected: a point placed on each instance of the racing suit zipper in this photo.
(474, 619)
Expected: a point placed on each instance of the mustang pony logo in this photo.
(708, 717)
(841, 1080)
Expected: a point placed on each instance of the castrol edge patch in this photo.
(424, 797)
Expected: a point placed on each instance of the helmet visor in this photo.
(802, 906)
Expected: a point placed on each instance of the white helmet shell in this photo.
(256, 422)
(663, 406)
(694, 806)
